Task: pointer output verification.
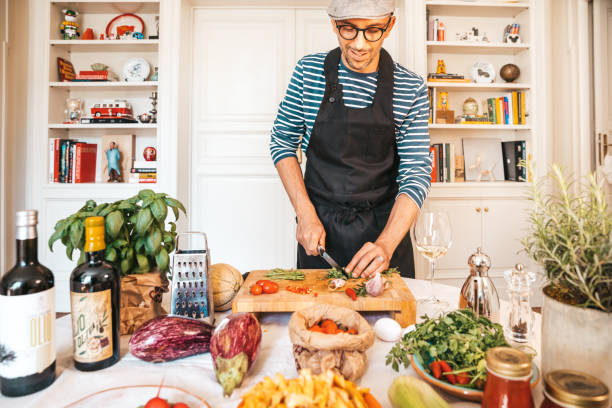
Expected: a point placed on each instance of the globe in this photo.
(470, 106)
(509, 72)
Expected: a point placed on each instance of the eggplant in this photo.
(234, 347)
(167, 338)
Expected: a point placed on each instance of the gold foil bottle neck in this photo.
(94, 234)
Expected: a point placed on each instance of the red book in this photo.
(145, 181)
(56, 159)
(434, 167)
(85, 162)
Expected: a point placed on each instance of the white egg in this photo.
(387, 329)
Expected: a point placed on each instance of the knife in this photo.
(328, 258)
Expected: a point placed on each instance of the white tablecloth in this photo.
(196, 373)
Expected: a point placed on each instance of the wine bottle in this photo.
(27, 316)
(94, 302)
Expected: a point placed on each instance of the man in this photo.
(363, 123)
(113, 156)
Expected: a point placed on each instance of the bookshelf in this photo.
(487, 214)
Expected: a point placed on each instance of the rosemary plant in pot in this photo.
(137, 241)
(570, 237)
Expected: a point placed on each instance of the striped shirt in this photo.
(298, 111)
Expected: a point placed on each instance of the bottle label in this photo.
(27, 333)
(92, 326)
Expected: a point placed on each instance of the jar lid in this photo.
(576, 388)
(519, 278)
(479, 261)
(508, 362)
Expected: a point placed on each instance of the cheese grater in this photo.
(191, 282)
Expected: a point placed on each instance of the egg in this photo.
(387, 329)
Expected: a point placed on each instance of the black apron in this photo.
(352, 168)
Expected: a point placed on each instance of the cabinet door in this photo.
(466, 223)
(505, 223)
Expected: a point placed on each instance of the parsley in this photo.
(458, 337)
(360, 290)
(335, 273)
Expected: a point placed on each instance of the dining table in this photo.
(196, 373)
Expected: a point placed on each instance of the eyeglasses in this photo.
(371, 34)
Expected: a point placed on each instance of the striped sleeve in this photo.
(289, 124)
(414, 176)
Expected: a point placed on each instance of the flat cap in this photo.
(370, 9)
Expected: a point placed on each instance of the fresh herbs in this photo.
(360, 290)
(285, 274)
(459, 338)
(335, 273)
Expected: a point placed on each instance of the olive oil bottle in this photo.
(27, 316)
(94, 303)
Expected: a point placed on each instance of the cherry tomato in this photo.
(261, 282)
(157, 403)
(180, 405)
(270, 287)
(256, 289)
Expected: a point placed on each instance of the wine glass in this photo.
(431, 235)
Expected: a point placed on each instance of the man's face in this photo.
(111, 145)
(360, 54)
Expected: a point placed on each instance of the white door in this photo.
(242, 62)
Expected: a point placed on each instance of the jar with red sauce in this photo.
(573, 389)
(508, 379)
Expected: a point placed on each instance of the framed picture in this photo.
(483, 159)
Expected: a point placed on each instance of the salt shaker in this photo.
(478, 292)
(520, 282)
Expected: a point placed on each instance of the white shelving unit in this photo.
(487, 214)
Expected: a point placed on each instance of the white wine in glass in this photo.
(432, 237)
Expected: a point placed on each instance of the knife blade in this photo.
(328, 258)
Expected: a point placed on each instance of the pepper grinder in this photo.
(478, 292)
(520, 322)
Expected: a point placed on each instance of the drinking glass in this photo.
(432, 237)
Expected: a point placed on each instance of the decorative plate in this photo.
(457, 390)
(135, 70)
(125, 20)
(482, 72)
(138, 395)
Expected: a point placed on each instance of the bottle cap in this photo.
(508, 362)
(576, 388)
(94, 234)
(26, 218)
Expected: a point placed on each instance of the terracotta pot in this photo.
(576, 338)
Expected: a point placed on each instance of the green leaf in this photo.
(167, 238)
(110, 254)
(89, 206)
(144, 221)
(159, 210)
(69, 250)
(162, 259)
(56, 235)
(118, 243)
(143, 263)
(81, 257)
(175, 203)
(108, 210)
(148, 201)
(76, 234)
(172, 227)
(142, 194)
(100, 207)
(125, 265)
(153, 242)
(113, 223)
(140, 243)
(126, 205)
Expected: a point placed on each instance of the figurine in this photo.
(144, 117)
(154, 77)
(73, 110)
(70, 27)
(153, 111)
(88, 35)
(113, 157)
(443, 101)
(137, 36)
(441, 68)
(483, 173)
(149, 153)
(101, 36)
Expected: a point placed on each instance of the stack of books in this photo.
(143, 172)
(444, 163)
(513, 153)
(96, 76)
(508, 109)
(432, 77)
(71, 161)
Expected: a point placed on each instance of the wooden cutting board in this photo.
(396, 299)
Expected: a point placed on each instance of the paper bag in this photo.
(141, 296)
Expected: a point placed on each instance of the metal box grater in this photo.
(191, 282)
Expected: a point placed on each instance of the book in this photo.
(510, 161)
(491, 110)
(506, 113)
(522, 104)
(65, 70)
(498, 111)
(515, 117)
(449, 80)
(447, 162)
(452, 166)
(147, 176)
(62, 161)
(85, 162)
(120, 148)
(71, 162)
(52, 162)
(459, 169)
(143, 170)
(440, 162)
(518, 107)
(434, 167)
(143, 164)
(108, 120)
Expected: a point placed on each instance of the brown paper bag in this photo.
(319, 352)
(141, 296)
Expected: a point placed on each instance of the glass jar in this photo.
(508, 379)
(573, 389)
(519, 282)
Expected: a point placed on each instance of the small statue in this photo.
(70, 27)
(153, 111)
(441, 68)
(73, 110)
(443, 101)
(488, 173)
(113, 157)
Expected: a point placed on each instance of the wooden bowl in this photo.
(458, 390)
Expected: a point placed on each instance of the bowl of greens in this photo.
(449, 352)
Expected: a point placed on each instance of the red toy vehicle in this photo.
(117, 108)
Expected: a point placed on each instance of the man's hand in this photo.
(372, 258)
(310, 234)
